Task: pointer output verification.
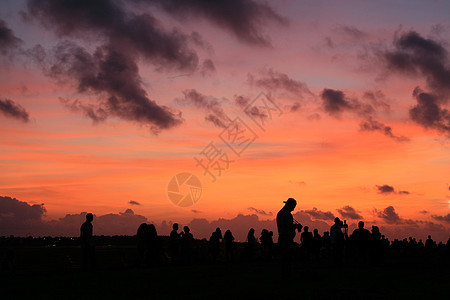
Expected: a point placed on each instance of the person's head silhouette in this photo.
(291, 203)
(175, 226)
(186, 229)
(89, 217)
(360, 224)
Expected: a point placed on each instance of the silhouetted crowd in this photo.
(334, 247)
(337, 246)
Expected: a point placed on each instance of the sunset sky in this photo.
(102, 103)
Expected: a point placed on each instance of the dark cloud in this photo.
(389, 215)
(260, 211)
(334, 102)
(241, 101)
(424, 212)
(207, 68)
(15, 210)
(254, 111)
(429, 113)
(111, 75)
(195, 211)
(8, 41)
(349, 213)
(94, 112)
(408, 227)
(372, 125)
(377, 99)
(109, 22)
(22, 219)
(132, 202)
(385, 189)
(415, 55)
(344, 36)
(295, 107)
(13, 110)
(215, 113)
(123, 223)
(445, 218)
(111, 70)
(319, 215)
(244, 18)
(198, 40)
(352, 32)
(275, 81)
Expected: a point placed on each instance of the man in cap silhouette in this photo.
(286, 234)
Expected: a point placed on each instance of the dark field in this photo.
(54, 273)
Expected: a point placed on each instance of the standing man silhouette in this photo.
(87, 243)
(286, 234)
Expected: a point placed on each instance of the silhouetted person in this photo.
(345, 228)
(266, 244)
(228, 239)
(337, 241)
(141, 244)
(316, 244)
(429, 245)
(187, 242)
(152, 245)
(214, 243)
(174, 242)
(286, 234)
(376, 249)
(87, 243)
(251, 245)
(306, 238)
(420, 245)
(360, 238)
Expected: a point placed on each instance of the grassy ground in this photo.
(51, 274)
